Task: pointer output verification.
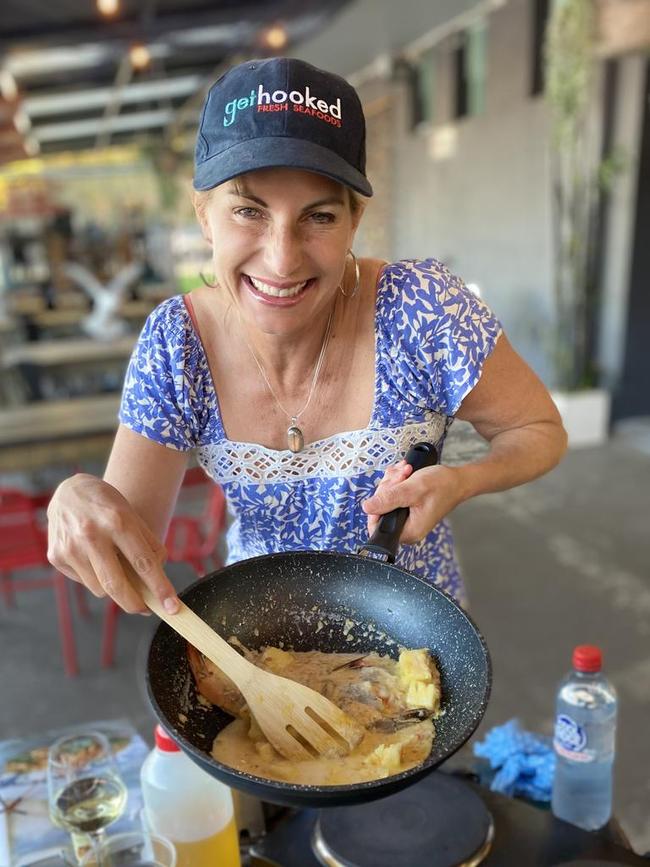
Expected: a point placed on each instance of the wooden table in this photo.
(11, 332)
(63, 431)
(30, 302)
(73, 351)
(71, 367)
(57, 318)
(25, 304)
(51, 321)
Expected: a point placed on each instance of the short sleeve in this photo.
(440, 333)
(159, 394)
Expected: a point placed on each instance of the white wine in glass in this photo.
(86, 793)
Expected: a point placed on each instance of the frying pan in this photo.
(305, 600)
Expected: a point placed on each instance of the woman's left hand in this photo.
(429, 494)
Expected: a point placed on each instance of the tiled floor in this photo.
(561, 561)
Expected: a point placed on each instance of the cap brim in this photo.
(278, 152)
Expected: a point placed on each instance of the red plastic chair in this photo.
(192, 539)
(23, 544)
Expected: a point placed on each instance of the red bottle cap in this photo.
(587, 658)
(164, 742)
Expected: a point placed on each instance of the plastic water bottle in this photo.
(584, 742)
(192, 809)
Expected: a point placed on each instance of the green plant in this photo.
(166, 165)
(578, 180)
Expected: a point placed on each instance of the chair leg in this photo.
(7, 588)
(210, 564)
(65, 624)
(197, 564)
(82, 600)
(111, 613)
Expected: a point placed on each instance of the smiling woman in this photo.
(301, 376)
(279, 239)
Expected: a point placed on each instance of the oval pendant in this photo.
(295, 439)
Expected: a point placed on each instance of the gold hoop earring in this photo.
(357, 278)
(207, 282)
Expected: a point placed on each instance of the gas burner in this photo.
(438, 812)
(438, 822)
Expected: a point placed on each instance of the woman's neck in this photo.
(343, 393)
(290, 358)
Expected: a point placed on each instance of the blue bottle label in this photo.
(571, 740)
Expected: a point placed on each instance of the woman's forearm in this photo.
(515, 456)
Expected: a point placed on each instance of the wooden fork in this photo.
(297, 721)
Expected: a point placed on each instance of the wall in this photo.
(366, 29)
(485, 209)
(617, 258)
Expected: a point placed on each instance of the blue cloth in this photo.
(432, 337)
(525, 762)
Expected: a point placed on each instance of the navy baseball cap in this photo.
(281, 112)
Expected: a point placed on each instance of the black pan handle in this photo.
(383, 543)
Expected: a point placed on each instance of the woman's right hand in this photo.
(92, 530)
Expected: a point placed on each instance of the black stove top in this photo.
(524, 835)
(437, 822)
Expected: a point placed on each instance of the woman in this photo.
(300, 375)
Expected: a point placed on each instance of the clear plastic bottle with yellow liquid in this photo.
(189, 807)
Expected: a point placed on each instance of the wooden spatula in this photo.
(297, 721)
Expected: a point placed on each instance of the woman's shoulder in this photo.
(168, 376)
(410, 287)
(168, 327)
(419, 298)
(428, 274)
(433, 332)
(171, 312)
(169, 343)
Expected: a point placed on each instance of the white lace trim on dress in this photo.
(342, 455)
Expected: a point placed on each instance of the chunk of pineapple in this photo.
(415, 665)
(421, 695)
(420, 679)
(387, 758)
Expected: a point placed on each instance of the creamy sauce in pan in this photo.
(234, 747)
(395, 701)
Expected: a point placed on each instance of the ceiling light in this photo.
(275, 37)
(108, 7)
(139, 56)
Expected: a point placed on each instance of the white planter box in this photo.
(585, 415)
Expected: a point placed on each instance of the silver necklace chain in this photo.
(295, 416)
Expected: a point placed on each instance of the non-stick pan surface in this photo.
(281, 600)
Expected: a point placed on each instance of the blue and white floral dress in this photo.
(432, 337)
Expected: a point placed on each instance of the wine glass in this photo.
(85, 791)
(132, 849)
